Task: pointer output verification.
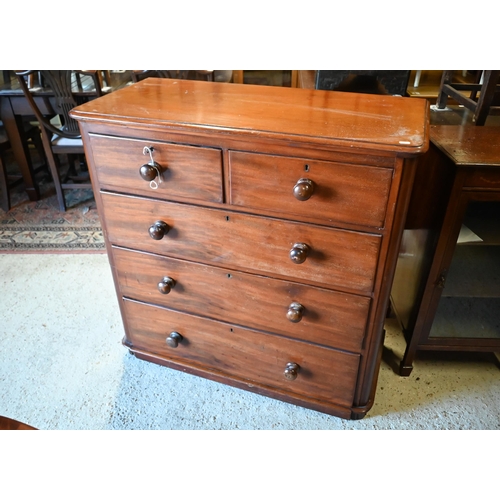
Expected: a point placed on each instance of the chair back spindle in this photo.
(66, 139)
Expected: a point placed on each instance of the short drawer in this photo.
(187, 172)
(487, 178)
(339, 258)
(299, 311)
(243, 354)
(329, 191)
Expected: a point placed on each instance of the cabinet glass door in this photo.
(469, 307)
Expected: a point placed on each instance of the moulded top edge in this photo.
(396, 123)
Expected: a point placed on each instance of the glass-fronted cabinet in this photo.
(446, 292)
(469, 306)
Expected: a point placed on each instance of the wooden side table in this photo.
(446, 291)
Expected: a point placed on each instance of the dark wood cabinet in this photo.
(446, 290)
(253, 231)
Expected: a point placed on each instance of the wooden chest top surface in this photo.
(385, 123)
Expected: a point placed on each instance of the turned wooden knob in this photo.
(299, 253)
(291, 371)
(149, 171)
(158, 230)
(295, 311)
(304, 189)
(165, 285)
(174, 339)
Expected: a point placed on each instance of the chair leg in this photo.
(486, 97)
(4, 185)
(442, 98)
(54, 170)
(37, 142)
(53, 162)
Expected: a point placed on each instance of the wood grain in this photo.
(330, 318)
(342, 193)
(340, 259)
(243, 353)
(9, 424)
(233, 305)
(187, 172)
(383, 123)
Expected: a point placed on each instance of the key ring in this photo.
(149, 150)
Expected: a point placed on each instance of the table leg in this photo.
(14, 128)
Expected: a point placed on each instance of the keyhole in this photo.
(306, 168)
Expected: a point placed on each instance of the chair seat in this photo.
(65, 142)
(58, 141)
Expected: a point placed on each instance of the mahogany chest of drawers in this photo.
(253, 231)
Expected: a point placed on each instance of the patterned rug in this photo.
(39, 226)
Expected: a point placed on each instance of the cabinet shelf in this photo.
(474, 272)
(467, 317)
(483, 219)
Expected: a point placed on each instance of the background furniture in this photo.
(197, 74)
(8, 180)
(64, 137)
(365, 81)
(283, 78)
(488, 87)
(15, 109)
(253, 241)
(446, 291)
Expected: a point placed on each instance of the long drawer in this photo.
(330, 191)
(243, 354)
(338, 258)
(187, 172)
(291, 309)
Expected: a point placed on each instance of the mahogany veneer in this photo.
(253, 231)
(9, 424)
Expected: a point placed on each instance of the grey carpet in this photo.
(62, 366)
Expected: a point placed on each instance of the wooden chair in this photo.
(7, 181)
(489, 94)
(4, 181)
(182, 74)
(97, 79)
(63, 138)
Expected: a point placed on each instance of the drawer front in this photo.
(488, 178)
(187, 172)
(298, 311)
(341, 259)
(335, 192)
(244, 354)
